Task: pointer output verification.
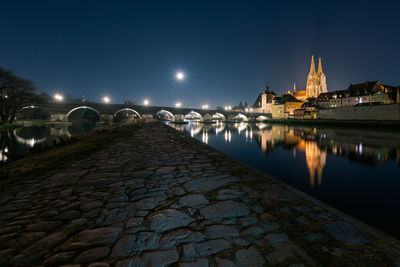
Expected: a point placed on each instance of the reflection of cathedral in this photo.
(315, 158)
(269, 138)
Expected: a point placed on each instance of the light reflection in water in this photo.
(18, 142)
(314, 143)
(3, 156)
(228, 136)
(205, 137)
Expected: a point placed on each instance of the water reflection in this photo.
(365, 147)
(18, 142)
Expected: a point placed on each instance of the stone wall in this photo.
(378, 112)
(58, 118)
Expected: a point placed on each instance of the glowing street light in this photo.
(58, 97)
(106, 99)
(228, 108)
(178, 104)
(205, 106)
(180, 76)
(146, 102)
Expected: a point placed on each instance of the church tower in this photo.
(316, 80)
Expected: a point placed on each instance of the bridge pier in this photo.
(106, 118)
(58, 117)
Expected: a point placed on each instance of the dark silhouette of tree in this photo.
(15, 93)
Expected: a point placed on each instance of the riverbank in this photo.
(157, 196)
(19, 124)
(340, 123)
(44, 161)
(8, 126)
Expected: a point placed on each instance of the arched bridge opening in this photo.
(193, 116)
(126, 115)
(30, 113)
(218, 117)
(240, 117)
(165, 115)
(83, 114)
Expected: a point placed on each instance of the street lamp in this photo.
(58, 97)
(205, 106)
(106, 99)
(228, 108)
(178, 104)
(146, 102)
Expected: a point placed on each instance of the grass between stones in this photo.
(45, 162)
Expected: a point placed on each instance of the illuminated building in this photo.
(278, 111)
(263, 102)
(316, 83)
(284, 106)
(361, 93)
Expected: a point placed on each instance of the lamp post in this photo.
(106, 99)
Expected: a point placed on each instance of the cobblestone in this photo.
(159, 198)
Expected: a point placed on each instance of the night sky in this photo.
(229, 50)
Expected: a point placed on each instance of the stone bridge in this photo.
(63, 112)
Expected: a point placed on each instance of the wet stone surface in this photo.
(159, 198)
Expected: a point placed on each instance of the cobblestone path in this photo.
(160, 198)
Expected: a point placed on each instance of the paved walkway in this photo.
(161, 198)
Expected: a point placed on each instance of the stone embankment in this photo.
(160, 198)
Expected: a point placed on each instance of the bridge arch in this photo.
(218, 116)
(29, 113)
(165, 115)
(125, 114)
(194, 116)
(261, 118)
(241, 117)
(28, 107)
(207, 118)
(90, 114)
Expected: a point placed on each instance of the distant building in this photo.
(316, 83)
(263, 102)
(278, 111)
(300, 95)
(362, 93)
(288, 103)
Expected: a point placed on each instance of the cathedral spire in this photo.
(319, 66)
(312, 68)
(294, 88)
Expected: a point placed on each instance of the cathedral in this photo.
(316, 81)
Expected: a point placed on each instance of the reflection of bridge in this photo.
(108, 112)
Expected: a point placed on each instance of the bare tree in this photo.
(15, 93)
